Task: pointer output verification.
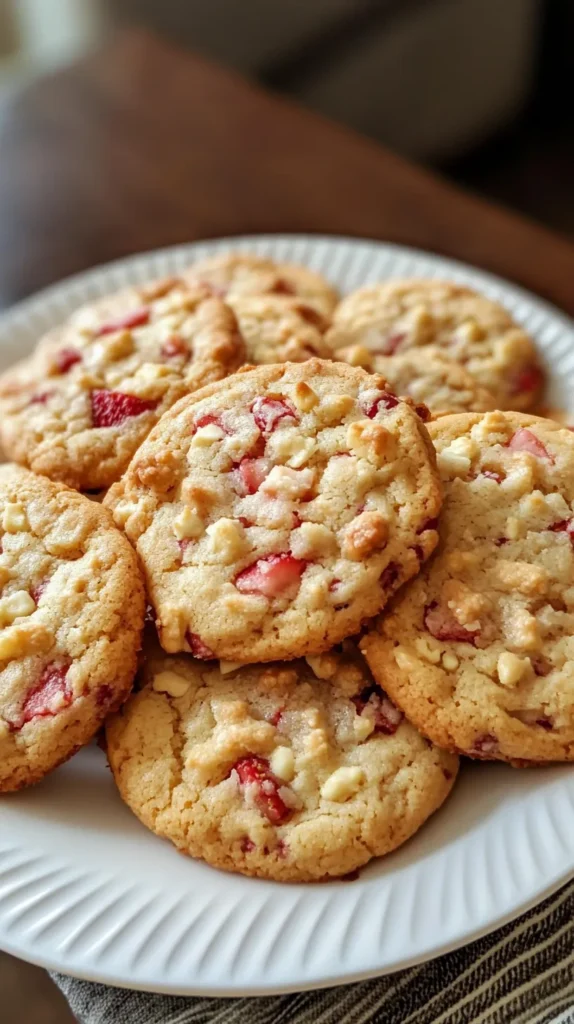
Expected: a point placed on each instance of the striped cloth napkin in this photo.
(521, 974)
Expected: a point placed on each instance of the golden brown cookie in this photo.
(479, 650)
(272, 770)
(71, 616)
(276, 511)
(427, 377)
(77, 409)
(234, 274)
(279, 330)
(395, 316)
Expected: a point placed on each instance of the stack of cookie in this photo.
(270, 512)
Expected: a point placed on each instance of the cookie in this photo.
(271, 771)
(427, 377)
(479, 650)
(279, 330)
(472, 330)
(71, 616)
(235, 274)
(276, 511)
(78, 408)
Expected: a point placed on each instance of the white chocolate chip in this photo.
(188, 524)
(355, 355)
(426, 651)
(343, 783)
(323, 666)
(450, 661)
(304, 397)
(171, 683)
(334, 408)
(311, 540)
(227, 539)
(465, 446)
(205, 436)
(289, 483)
(511, 669)
(363, 726)
(282, 763)
(451, 463)
(14, 519)
(226, 668)
(16, 605)
(289, 447)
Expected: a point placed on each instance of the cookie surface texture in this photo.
(479, 650)
(276, 511)
(271, 771)
(79, 406)
(396, 316)
(71, 616)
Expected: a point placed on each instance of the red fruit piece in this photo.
(262, 787)
(529, 378)
(174, 346)
(137, 318)
(484, 746)
(312, 316)
(268, 413)
(387, 717)
(41, 397)
(52, 685)
(282, 287)
(207, 420)
(442, 624)
(198, 648)
(423, 412)
(492, 475)
(390, 575)
(104, 695)
(275, 717)
(37, 590)
(564, 526)
(270, 576)
(523, 440)
(247, 845)
(384, 401)
(111, 408)
(66, 358)
(251, 473)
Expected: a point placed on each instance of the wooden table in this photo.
(142, 145)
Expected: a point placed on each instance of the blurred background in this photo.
(480, 89)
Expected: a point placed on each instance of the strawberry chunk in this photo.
(37, 590)
(491, 475)
(523, 440)
(384, 401)
(174, 346)
(529, 378)
(392, 343)
(198, 648)
(386, 716)
(41, 397)
(111, 408)
(390, 575)
(442, 624)
(207, 420)
(137, 318)
(484, 747)
(261, 788)
(564, 526)
(270, 576)
(268, 413)
(250, 474)
(51, 695)
(66, 358)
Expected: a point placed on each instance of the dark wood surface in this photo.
(142, 145)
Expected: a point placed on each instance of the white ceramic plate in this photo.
(86, 890)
